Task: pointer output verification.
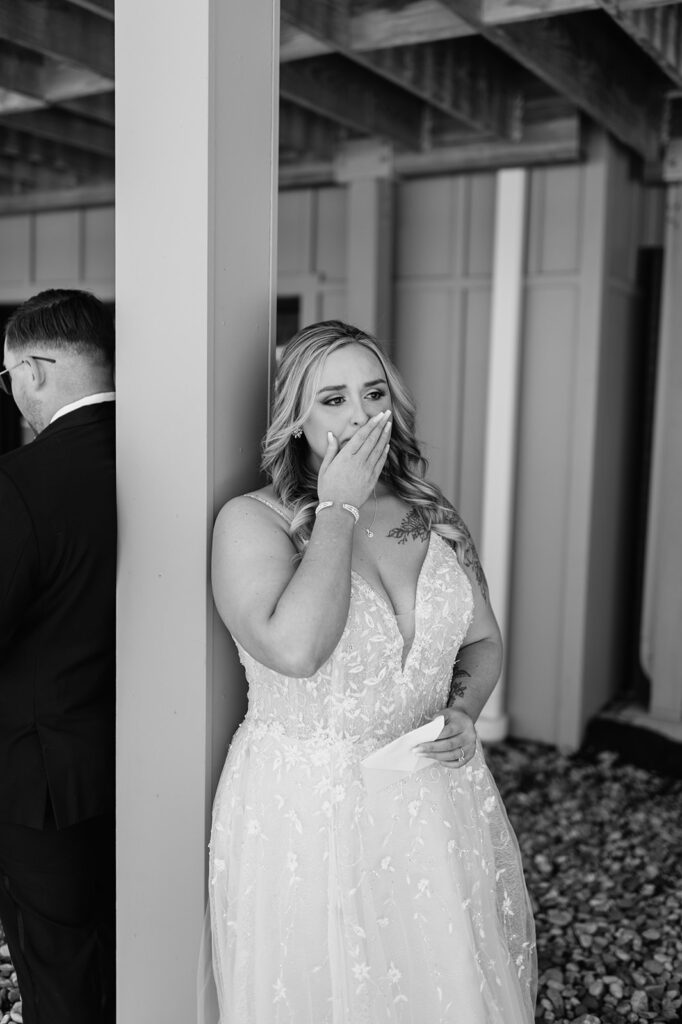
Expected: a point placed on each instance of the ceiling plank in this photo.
(62, 126)
(657, 31)
(475, 91)
(570, 59)
(352, 97)
(61, 31)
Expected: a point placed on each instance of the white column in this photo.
(196, 103)
(366, 168)
(501, 416)
(661, 641)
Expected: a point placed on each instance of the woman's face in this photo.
(352, 388)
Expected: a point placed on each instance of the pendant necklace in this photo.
(368, 529)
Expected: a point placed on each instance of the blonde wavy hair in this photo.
(285, 459)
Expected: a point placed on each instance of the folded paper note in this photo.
(398, 759)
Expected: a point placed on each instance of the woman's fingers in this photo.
(332, 449)
(456, 744)
(366, 438)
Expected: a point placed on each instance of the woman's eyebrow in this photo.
(343, 387)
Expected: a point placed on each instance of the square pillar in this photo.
(196, 109)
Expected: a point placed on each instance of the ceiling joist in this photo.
(457, 83)
(63, 127)
(346, 94)
(658, 31)
(570, 60)
(62, 31)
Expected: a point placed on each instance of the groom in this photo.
(57, 649)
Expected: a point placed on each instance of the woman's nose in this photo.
(359, 416)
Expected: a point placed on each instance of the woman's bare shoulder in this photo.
(253, 510)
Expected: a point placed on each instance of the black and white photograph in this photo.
(340, 511)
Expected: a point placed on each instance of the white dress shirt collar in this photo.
(102, 396)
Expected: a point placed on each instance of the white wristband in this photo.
(349, 508)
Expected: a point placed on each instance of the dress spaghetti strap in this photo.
(275, 508)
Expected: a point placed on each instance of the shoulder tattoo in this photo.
(412, 526)
(469, 554)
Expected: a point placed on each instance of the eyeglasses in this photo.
(6, 385)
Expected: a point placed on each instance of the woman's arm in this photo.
(476, 670)
(290, 617)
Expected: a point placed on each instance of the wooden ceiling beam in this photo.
(354, 98)
(34, 176)
(556, 142)
(657, 31)
(303, 134)
(58, 199)
(104, 8)
(64, 127)
(569, 58)
(99, 107)
(62, 31)
(458, 83)
(61, 158)
(382, 25)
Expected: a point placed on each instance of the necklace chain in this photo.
(368, 529)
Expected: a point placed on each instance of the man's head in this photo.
(74, 333)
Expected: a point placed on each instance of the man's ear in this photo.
(37, 369)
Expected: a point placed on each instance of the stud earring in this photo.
(297, 433)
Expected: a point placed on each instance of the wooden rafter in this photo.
(303, 134)
(457, 83)
(353, 97)
(62, 31)
(658, 31)
(570, 59)
(381, 25)
(100, 107)
(56, 156)
(104, 8)
(64, 127)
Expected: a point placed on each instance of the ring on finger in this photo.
(461, 754)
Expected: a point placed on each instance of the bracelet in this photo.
(349, 508)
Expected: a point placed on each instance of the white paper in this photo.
(398, 759)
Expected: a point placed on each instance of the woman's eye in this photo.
(336, 400)
(376, 396)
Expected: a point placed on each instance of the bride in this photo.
(351, 884)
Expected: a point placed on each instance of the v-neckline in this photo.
(383, 599)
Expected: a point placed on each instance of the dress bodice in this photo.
(364, 693)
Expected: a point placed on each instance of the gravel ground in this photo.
(600, 841)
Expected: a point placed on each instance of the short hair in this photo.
(63, 318)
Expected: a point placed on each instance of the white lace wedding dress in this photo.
(333, 906)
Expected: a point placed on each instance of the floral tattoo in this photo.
(468, 553)
(412, 526)
(457, 687)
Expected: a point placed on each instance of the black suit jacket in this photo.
(57, 621)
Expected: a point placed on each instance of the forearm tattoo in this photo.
(457, 686)
(412, 526)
